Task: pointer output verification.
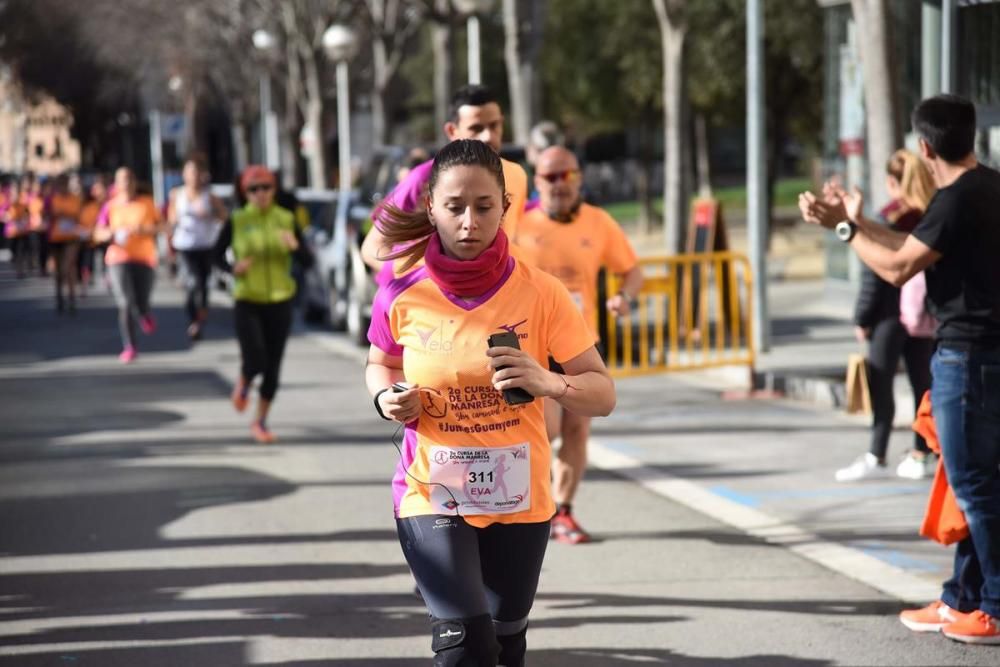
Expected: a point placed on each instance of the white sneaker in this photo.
(865, 466)
(912, 467)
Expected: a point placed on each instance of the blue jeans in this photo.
(965, 398)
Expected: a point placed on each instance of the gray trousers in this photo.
(132, 283)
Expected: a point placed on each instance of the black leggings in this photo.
(888, 342)
(262, 329)
(478, 584)
(197, 266)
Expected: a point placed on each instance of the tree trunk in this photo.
(870, 18)
(441, 38)
(238, 133)
(672, 33)
(519, 93)
(702, 162)
(644, 180)
(290, 142)
(777, 131)
(314, 119)
(381, 70)
(535, 38)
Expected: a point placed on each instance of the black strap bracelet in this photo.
(378, 408)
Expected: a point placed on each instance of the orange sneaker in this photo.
(239, 396)
(565, 529)
(261, 433)
(931, 618)
(976, 628)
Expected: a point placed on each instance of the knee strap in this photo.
(461, 642)
(505, 628)
(513, 645)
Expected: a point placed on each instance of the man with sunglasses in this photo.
(475, 114)
(573, 241)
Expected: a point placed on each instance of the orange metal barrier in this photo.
(693, 312)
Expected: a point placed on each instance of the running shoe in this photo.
(261, 433)
(976, 628)
(147, 324)
(565, 529)
(239, 396)
(127, 355)
(917, 467)
(931, 618)
(194, 331)
(864, 467)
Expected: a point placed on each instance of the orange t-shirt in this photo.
(574, 252)
(65, 210)
(16, 216)
(37, 220)
(88, 218)
(128, 216)
(516, 184)
(493, 458)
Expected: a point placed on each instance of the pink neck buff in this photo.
(467, 278)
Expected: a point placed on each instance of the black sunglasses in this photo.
(259, 187)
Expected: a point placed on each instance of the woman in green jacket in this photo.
(264, 238)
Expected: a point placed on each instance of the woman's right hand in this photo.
(401, 406)
(242, 266)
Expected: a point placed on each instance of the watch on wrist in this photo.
(845, 231)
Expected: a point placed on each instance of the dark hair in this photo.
(412, 230)
(472, 95)
(948, 124)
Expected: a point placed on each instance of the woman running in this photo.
(195, 217)
(64, 241)
(264, 238)
(15, 218)
(132, 226)
(472, 489)
(89, 215)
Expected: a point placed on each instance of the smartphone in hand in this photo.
(516, 396)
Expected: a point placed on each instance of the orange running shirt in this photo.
(37, 218)
(516, 184)
(88, 219)
(130, 215)
(65, 211)
(574, 252)
(492, 457)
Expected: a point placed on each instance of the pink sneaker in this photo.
(128, 355)
(147, 324)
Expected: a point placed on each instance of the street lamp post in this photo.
(340, 44)
(264, 42)
(472, 9)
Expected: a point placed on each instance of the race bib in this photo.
(121, 237)
(482, 480)
(67, 226)
(577, 299)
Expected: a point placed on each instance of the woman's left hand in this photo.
(522, 372)
(289, 240)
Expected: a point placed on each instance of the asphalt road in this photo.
(139, 525)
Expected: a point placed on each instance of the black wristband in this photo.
(378, 408)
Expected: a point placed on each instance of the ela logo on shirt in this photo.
(433, 339)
